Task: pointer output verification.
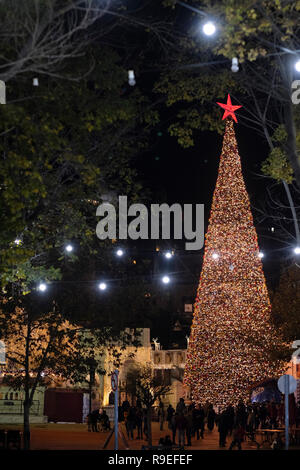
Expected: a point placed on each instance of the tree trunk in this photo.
(291, 140)
(26, 425)
(27, 401)
(149, 425)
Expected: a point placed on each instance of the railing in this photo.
(17, 407)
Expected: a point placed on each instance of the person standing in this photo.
(170, 413)
(94, 420)
(230, 414)
(139, 422)
(174, 427)
(181, 425)
(189, 425)
(180, 408)
(211, 416)
(238, 437)
(199, 417)
(223, 428)
(130, 423)
(161, 415)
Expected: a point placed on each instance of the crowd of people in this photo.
(190, 421)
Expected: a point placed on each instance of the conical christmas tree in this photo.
(231, 336)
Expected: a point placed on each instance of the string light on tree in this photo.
(69, 248)
(231, 334)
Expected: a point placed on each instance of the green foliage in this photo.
(286, 303)
(60, 151)
(277, 166)
(193, 98)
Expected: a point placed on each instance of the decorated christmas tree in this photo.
(232, 338)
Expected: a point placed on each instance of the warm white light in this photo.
(102, 286)
(69, 248)
(166, 279)
(261, 255)
(42, 287)
(131, 78)
(209, 28)
(168, 254)
(297, 250)
(235, 64)
(297, 65)
(215, 255)
(120, 252)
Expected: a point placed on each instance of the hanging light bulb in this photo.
(235, 64)
(131, 78)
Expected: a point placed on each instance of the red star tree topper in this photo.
(229, 109)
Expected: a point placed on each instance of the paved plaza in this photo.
(77, 437)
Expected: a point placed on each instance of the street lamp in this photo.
(168, 255)
(42, 287)
(166, 279)
(120, 252)
(209, 28)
